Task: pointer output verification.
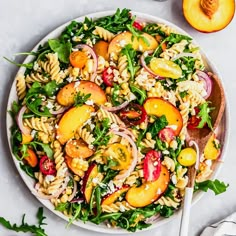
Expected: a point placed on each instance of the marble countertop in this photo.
(23, 23)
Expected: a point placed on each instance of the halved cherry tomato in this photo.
(194, 121)
(166, 135)
(108, 76)
(187, 157)
(119, 154)
(152, 165)
(137, 25)
(78, 59)
(31, 158)
(47, 166)
(133, 114)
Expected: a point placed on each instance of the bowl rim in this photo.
(29, 181)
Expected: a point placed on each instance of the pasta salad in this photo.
(102, 118)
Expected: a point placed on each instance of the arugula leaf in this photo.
(204, 115)
(28, 170)
(77, 210)
(62, 206)
(115, 95)
(176, 38)
(215, 185)
(166, 211)
(51, 88)
(63, 50)
(46, 148)
(153, 29)
(81, 98)
(131, 54)
(140, 94)
(183, 94)
(159, 124)
(29, 65)
(24, 227)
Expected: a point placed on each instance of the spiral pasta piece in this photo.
(36, 77)
(184, 111)
(20, 86)
(39, 124)
(103, 33)
(169, 163)
(122, 67)
(117, 207)
(86, 135)
(167, 201)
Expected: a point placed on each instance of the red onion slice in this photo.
(152, 219)
(184, 54)
(142, 59)
(117, 108)
(125, 130)
(94, 56)
(134, 154)
(59, 111)
(77, 200)
(19, 120)
(208, 82)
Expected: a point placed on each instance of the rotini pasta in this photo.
(103, 33)
(117, 207)
(20, 86)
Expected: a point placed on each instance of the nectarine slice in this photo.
(111, 198)
(217, 17)
(26, 138)
(158, 107)
(125, 38)
(66, 95)
(71, 121)
(101, 49)
(148, 192)
(78, 148)
(211, 152)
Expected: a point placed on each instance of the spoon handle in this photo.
(186, 212)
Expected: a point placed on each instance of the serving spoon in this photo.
(199, 138)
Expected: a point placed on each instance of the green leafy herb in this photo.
(28, 170)
(131, 54)
(176, 38)
(51, 88)
(36, 230)
(140, 94)
(204, 115)
(45, 147)
(183, 94)
(62, 49)
(98, 200)
(29, 65)
(110, 163)
(81, 98)
(115, 95)
(62, 206)
(215, 185)
(77, 210)
(153, 29)
(159, 124)
(166, 211)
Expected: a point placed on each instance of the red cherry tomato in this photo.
(166, 135)
(137, 25)
(152, 165)
(194, 121)
(47, 166)
(108, 76)
(133, 114)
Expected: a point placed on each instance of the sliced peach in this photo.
(207, 15)
(78, 148)
(137, 44)
(68, 160)
(31, 158)
(71, 121)
(158, 107)
(66, 95)
(101, 49)
(26, 138)
(87, 187)
(111, 198)
(211, 152)
(149, 192)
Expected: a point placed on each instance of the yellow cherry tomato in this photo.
(187, 157)
(119, 154)
(165, 68)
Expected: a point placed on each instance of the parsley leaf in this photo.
(215, 185)
(81, 98)
(204, 115)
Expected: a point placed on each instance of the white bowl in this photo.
(222, 130)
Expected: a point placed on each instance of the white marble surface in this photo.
(23, 23)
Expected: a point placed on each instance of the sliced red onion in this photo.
(125, 130)
(152, 219)
(117, 108)
(54, 195)
(77, 200)
(193, 143)
(19, 120)
(134, 154)
(59, 111)
(74, 189)
(94, 56)
(183, 54)
(208, 82)
(142, 59)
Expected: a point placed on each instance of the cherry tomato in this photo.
(166, 135)
(108, 76)
(187, 157)
(78, 59)
(47, 166)
(152, 165)
(137, 25)
(119, 154)
(165, 68)
(133, 114)
(194, 121)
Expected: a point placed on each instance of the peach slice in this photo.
(87, 187)
(158, 107)
(210, 151)
(111, 198)
(101, 49)
(137, 44)
(78, 148)
(66, 95)
(149, 192)
(71, 121)
(26, 138)
(208, 15)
